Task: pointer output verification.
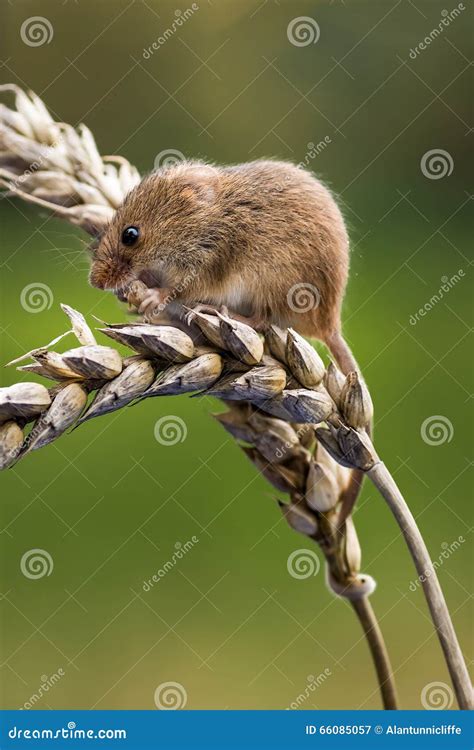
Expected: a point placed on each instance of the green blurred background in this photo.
(108, 502)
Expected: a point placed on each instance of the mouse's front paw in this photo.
(153, 304)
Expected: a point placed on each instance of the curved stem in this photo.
(386, 485)
(370, 626)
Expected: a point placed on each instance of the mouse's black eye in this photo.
(130, 235)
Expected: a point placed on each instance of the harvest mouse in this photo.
(265, 239)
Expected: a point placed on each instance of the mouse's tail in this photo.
(346, 361)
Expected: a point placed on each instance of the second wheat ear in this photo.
(59, 167)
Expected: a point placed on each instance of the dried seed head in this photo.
(63, 412)
(81, 330)
(276, 445)
(303, 361)
(224, 388)
(279, 476)
(23, 400)
(341, 474)
(237, 426)
(276, 341)
(275, 407)
(168, 343)
(299, 518)
(11, 440)
(196, 375)
(240, 339)
(54, 366)
(322, 491)
(356, 448)
(131, 383)
(261, 383)
(95, 362)
(334, 381)
(209, 325)
(263, 424)
(307, 406)
(352, 550)
(129, 335)
(331, 444)
(356, 404)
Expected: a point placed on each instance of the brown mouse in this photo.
(266, 239)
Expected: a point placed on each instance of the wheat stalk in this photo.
(302, 424)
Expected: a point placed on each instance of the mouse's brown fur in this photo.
(266, 239)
